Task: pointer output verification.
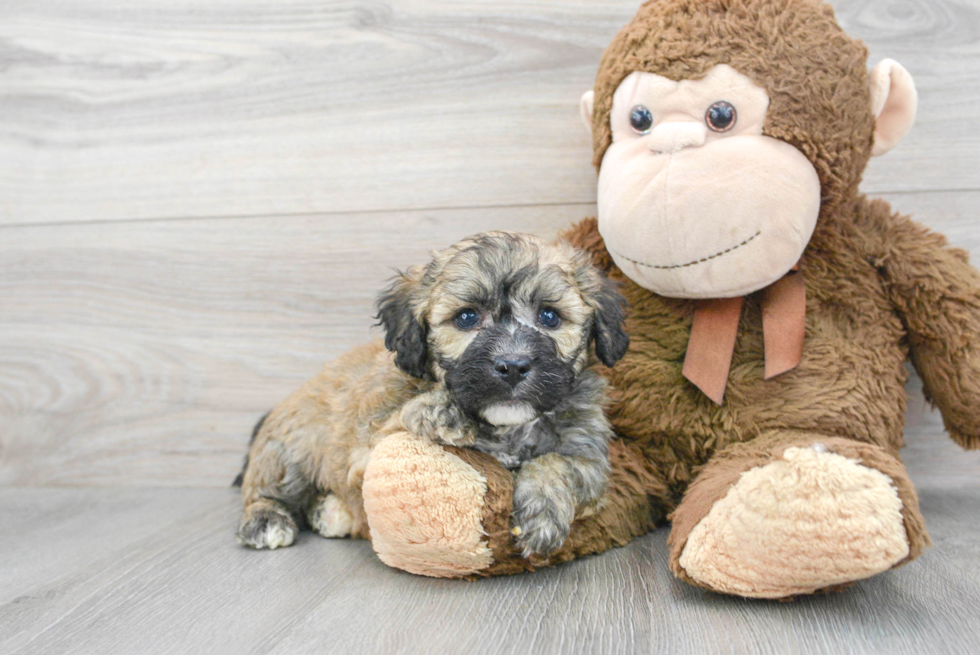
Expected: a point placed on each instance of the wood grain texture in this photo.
(142, 352)
(176, 582)
(113, 110)
(198, 202)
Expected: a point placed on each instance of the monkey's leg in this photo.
(275, 492)
(446, 512)
(790, 513)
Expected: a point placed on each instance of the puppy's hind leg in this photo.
(276, 494)
(329, 517)
(267, 524)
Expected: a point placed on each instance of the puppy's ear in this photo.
(609, 331)
(405, 335)
(607, 304)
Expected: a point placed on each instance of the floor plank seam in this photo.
(288, 215)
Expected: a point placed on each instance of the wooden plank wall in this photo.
(199, 200)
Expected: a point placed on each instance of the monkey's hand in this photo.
(937, 295)
(434, 416)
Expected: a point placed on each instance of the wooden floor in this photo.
(198, 201)
(107, 570)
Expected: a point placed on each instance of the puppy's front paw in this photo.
(541, 524)
(435, 417)
(267, 528)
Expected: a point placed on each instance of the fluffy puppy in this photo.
(491, 343)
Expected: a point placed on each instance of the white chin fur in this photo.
(508, 414)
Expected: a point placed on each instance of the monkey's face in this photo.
(505, 321)
(694, 201)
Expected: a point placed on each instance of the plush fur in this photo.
(880, 291)
(813, 71)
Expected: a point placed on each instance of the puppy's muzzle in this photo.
(508, 363)
(512, 368)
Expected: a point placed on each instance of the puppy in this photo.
(491, 344)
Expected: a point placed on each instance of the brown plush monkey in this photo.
(772, 308)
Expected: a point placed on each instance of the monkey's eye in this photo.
(641, 120)
(721, 116)
(466, 319)
(549, 318)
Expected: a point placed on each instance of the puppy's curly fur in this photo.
(491, 343)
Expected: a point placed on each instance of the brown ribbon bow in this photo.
(715, 326)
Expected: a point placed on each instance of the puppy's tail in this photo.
(255, 431)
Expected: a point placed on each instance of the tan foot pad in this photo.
(813, 520)
(425, 509)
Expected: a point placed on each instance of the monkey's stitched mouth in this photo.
(692, 263)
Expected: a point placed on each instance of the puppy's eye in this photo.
(466, 319)
(721, 116)
(549, 318)
(641, 120)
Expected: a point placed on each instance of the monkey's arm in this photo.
(937, 294)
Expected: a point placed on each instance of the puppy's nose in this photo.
(512, 368)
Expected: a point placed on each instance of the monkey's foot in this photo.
(424, 507)
(810, 520)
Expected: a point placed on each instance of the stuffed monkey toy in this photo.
(772, 307)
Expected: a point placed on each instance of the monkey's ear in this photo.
(611, 340)
(585, 105)
(405, 335)
(893, 102)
